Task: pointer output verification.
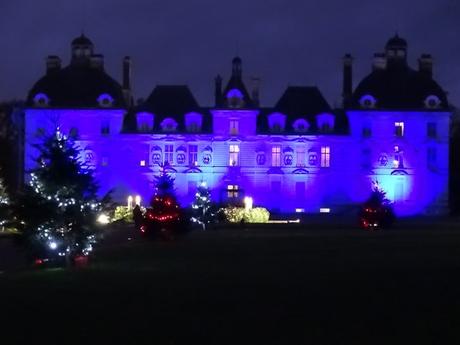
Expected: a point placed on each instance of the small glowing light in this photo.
(299, 210)
(103, 219)
(248, 202)
(142, 163)
(138, 200)
(324, 210)
(53, 245)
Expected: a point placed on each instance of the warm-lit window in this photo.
(399, 129)
(232, 191)
(398, 159)
(169, 154)
(142, 163)
(300, 156)
(234, 127)
(234, 155)
(431, 130)
(325, 156)
(193, 154)
(276, 156)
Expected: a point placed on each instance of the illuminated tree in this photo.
(58, 209)
(4, 205)
(164, 184)
(202, 206)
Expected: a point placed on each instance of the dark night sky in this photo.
(291, 42)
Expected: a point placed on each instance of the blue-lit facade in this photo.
(298, 155)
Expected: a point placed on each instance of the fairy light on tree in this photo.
(202, 206)
(4, 205)
(59, 208)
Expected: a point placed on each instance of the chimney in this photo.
(255, 91)
(97, 61)
(379, 62)
(347, 79)
(218, 91)
(127, 81)
(425, 65)
(53, 64)
(127, 73)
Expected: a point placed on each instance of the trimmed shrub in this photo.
(122, 213)
(240, 214)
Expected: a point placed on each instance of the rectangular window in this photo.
(367, 132)
(431, 157)
(300, 190)
(325, 156)
(300, 156)
(193, 154)
(276, 188)
(276, 156)
(234, 127)
(232, 191)
(191, 188)
(431, 130)
(234, 155)
(169, 154)
(105, 127)
(399, 129)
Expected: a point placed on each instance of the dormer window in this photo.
(193, 122)
(235, 98)
(399, 129)
(168, 125)
(301, 126)
(41, 100)
(145, 122)
(432, 102)
(325, 122)
(367, 102)
(276, 122)
(105, 100)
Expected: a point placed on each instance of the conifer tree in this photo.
(4, 205)
(59, 207)
(202, 206)
(164, 184)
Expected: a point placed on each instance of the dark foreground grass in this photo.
(247, 287)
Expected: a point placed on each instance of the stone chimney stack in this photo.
(97, 61)
(425, 65)
(53, 64)
(218, 91)
(127, 70)
(347, 89)
(255, 91)
(379, 62)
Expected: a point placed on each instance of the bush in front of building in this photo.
(241, 215)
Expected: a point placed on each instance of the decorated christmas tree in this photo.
(378, 196)
(58, 209)
(164, 184)
(4, 205)
(202, 206)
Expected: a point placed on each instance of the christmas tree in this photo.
(4, 205)
(202, 206)
(58, 209)
(378, 196)
(164, 184)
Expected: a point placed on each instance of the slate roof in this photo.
(173, 101)
(302, 102)
(399, 87)
(77, 86)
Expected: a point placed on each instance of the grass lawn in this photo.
(264, 286)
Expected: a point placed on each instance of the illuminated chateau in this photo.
(296, 156)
